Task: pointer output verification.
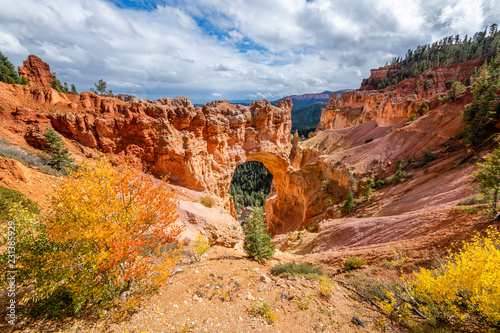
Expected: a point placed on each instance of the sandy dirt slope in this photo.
(217, 295)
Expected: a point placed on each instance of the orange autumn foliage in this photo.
(113, 226)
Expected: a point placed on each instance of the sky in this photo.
(228, 49)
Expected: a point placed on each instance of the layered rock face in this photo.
(36, 71)
(197, 148)
(356, 107)
(377, 75)
(394, 104)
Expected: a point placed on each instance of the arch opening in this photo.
(250, 186)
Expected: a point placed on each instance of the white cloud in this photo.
(241, 49)
(9, 44)
(463, 16)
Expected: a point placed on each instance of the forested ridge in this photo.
(447, 51)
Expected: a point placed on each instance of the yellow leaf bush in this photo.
(201, 244)
(467, 283)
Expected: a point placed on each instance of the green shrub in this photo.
(326, 186)
(399, 176)
(349, 204)
(263, 309)
(379, 182)
(294, 269)
(472, 200)
(429, 156)
(257, 242)
(305, 301)
(457, 88)
(8, 197)
(423, 107)
(205, 201)
(353, 263)
(367, 189)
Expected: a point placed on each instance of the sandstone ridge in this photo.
(396, 103)
(196, 147)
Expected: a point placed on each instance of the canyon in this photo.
(361, 135)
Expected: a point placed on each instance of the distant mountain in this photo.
(242, 101)
(301, 101)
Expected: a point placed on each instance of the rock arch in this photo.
(196, 147)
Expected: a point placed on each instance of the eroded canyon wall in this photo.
(195, 147)
(394, 104)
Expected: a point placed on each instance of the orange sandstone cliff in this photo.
(195, 147)
(395, 103)
(36, 71)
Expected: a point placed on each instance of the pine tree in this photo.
(257, 242)
(59, 155)
(8, 73)
(367, 189)
(57, 85)
(101, 87)
(481, 115)
(489, 178)
(349, 203)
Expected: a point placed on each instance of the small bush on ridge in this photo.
(353, 263)
(294, 269)
(263, 309)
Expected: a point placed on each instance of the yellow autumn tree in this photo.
(112, 227)
(466, 283)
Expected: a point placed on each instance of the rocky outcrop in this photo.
(394, 104)
(439, 77)
(126, 98)
(199, 147)
(36, 71)
(356, 107)
(377, 75)
(195, 147)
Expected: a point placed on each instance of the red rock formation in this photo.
(377, 75)
(197, 148)
(126, 98)
(394, 104)
(36, 71)
(442, 75)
